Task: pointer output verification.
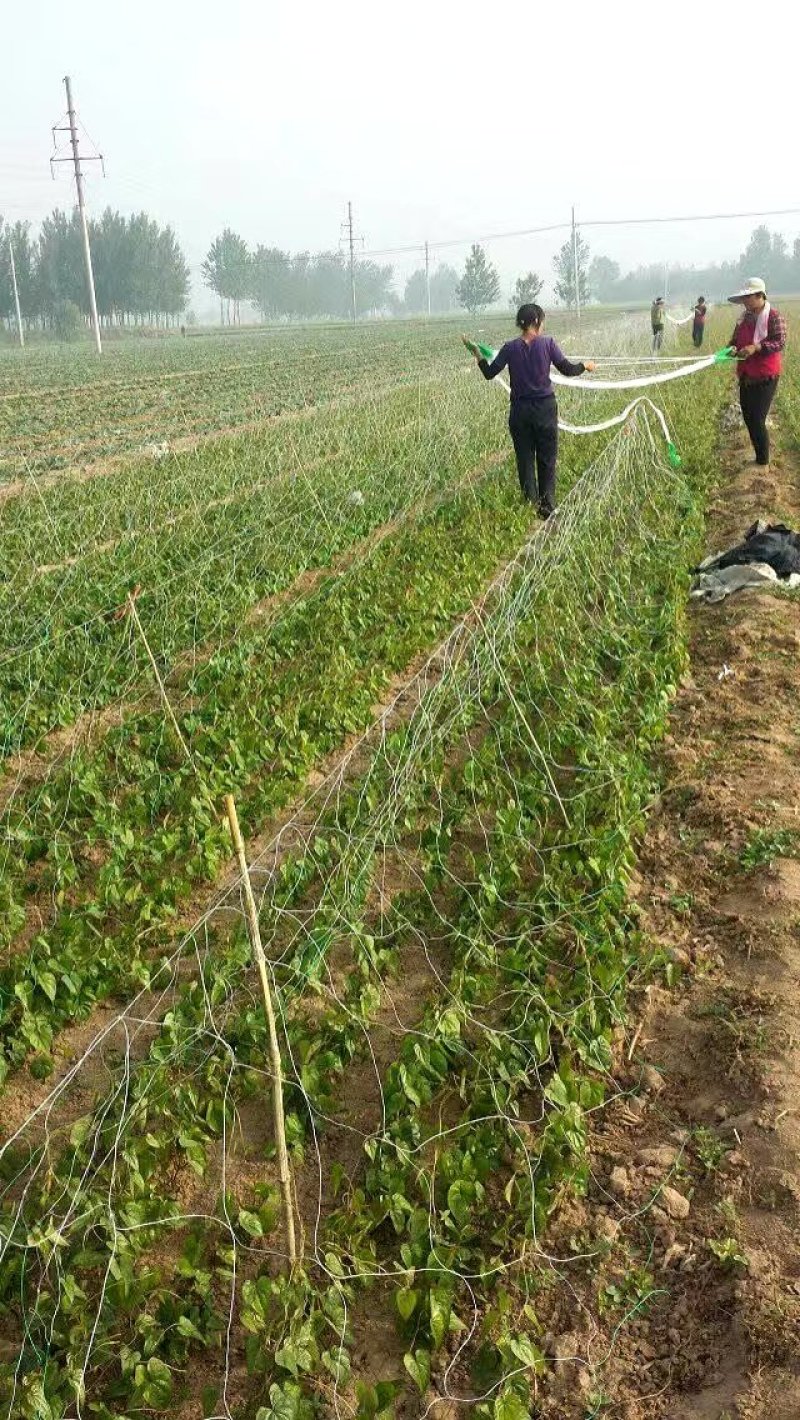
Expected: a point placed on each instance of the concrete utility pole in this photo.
(76, 161)
(428, 278)
(348, 231)
(351, 243)
(16, 292)
(575, 266)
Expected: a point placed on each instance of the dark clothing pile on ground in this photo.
(769, 552)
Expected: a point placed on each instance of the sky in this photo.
(438, 120)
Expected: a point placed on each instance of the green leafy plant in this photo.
(765, 845)
(728, 1251)
(709, 1147)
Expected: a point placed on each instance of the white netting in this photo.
(434, 908)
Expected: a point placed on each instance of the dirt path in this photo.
(689, 1308)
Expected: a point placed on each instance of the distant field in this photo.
(63, 406)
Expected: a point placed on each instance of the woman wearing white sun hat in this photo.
(759, 339)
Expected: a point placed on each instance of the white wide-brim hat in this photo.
(753, 286)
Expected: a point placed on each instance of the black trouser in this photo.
(534, 431)
(755, 398)
(697, 333)
(658, 336)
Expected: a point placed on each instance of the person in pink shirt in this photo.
(759, 339)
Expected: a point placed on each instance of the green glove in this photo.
(475, 348)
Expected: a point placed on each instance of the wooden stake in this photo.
(284, 1173)
(635, 1040)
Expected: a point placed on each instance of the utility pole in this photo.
(16, 292)
(575, 267)
(428, 279)
(349, 232)
(351, 242)
(76, 161)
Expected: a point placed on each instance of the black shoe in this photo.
(545, 510)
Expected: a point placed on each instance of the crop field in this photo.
(292, 567)
(58, 413)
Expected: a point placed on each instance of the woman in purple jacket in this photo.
(533, 417)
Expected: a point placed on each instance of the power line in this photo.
(693, 217)
(467, 241)
(589, 222)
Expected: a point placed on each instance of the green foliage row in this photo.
(514, 1046)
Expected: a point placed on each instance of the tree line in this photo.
(300, 286)
(767, 254)
(141, 275)
(598, 278)
(285, 285)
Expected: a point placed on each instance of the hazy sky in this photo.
(440, 119)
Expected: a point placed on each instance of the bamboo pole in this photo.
(284, 1172)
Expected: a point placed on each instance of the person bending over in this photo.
(759, 340)
(533, 417)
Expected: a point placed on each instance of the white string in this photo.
(605, 423)
(639, 382)
(619, 419)
(641, 359)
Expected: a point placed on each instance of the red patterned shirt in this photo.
(767, 363)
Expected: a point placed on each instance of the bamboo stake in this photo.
(284, 1172)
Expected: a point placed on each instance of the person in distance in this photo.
(533, 416)
(699, 324)
(657, 322)
(759, 340)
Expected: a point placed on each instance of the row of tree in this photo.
(140, 271)
(284, 285)
(302, 286)
(141, 275)
(479, 286)
(599, 278)
(297, 286)
(767, 255)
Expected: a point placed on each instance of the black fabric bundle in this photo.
(772, 543)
